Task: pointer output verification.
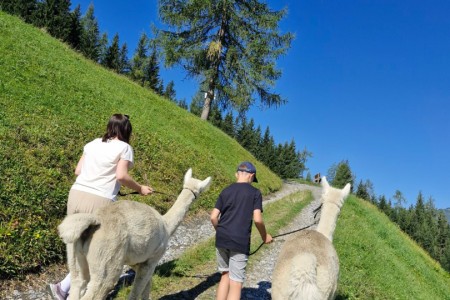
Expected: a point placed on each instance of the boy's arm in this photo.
(259, 223)
(215, 217)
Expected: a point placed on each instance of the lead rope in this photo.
(315, 211)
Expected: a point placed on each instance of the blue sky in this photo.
(366, 81)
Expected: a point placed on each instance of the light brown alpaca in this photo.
(123, 233)
(308, 265)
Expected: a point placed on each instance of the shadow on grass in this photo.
(197, 290)
(167, 270)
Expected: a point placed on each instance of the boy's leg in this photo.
(238, 264)
(224, 287)
(235, 290)
(223, 258)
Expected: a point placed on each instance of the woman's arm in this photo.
(79, 165)
(125, 179)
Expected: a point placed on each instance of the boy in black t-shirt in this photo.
(237, 206)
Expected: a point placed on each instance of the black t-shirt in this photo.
(236, 204)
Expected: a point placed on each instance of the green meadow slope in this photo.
(52, 102)
(379, 261)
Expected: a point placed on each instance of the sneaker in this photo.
(56, 292)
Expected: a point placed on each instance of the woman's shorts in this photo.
(83, 202)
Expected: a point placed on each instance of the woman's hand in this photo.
(146, 190)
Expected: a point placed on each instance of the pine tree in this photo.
(151, 74)
(169, 92)
(160, 89)
(268, 149)
(103, 48)
(361, 191)
(231, 45)
(343, 175)
(183, 104)
(196, 104)
(215, 116)
(228, 125)
(399, 199)
(384, 206)
(76, 29)
(124, 63)
(112, 58)
(139, 60)
(245, 135)
(90, 37)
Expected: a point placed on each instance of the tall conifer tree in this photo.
(343, 175)
(139, 60)
(231, 46)
(112, 57)
(76, 29)
(151, 73)
(90, 38)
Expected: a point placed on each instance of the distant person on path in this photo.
(237, 206)
(101, 171)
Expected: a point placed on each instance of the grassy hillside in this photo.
(379, 261)
(52, 102)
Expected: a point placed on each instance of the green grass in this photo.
(379, 261)
(53, 102)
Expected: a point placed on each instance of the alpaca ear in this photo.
(346, 190)
(204, 185)
(188, 175)
(324, 182)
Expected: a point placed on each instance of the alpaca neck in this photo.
(178, 210)
(328, 218)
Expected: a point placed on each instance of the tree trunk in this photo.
(207, 106)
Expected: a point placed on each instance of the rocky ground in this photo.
(190, 232)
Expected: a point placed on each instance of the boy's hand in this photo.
(269, 239)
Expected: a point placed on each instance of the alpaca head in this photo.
(334, 195)
(195, 185)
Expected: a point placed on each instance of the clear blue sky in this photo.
(366, 81)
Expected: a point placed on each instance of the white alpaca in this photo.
(308, 265)
(123, 233)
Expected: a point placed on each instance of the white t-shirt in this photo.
(98, 172)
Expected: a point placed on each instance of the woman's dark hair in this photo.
(118, 126)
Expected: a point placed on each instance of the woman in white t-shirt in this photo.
(101, 171)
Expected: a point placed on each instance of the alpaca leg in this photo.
(102, 281)
(143, 281)
(75, 282)
(84, 273)
(147, 290)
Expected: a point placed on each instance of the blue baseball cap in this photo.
(248, 167)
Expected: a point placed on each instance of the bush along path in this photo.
(192, 231)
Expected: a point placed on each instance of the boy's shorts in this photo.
(232, 262)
